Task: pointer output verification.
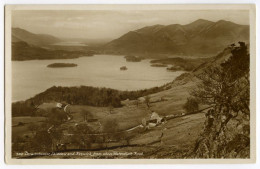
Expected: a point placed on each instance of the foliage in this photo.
(132, 58)
(17, 144)
(56, 116)
(83, 95)
(86, 115)
(226, 88)
(111, 125)
(33, 128)
(147, 100)
(59, 65)
(181, 63)
(22, 109)
(191, 105)
(42, 141)
(136, 102)
(83, 135)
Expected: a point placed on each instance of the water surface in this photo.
(32, 77)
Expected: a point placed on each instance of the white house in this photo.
(156, 117)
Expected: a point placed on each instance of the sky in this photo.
(90, 24)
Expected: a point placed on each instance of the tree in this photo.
(18, 144)
(136, 102)
(54, 120)
(56, 116)
(226, 88)
(85, 114)
(147, 100)
(110, 108)
(33, 128)
(42, 141)
(83, 136)
(55, 136)
(111, 125)
(191, 105)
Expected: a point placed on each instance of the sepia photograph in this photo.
(117, 82)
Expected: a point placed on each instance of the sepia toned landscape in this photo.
(119, 84)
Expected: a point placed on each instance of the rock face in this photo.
(201, 37)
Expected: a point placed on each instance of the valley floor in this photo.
(168, 140)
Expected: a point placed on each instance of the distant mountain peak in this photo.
(223, 21)
(226, 22)
(201, 38)
(150, 29)
(201, 21)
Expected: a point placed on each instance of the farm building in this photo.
(153, 121)
(155, 118)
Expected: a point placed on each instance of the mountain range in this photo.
(30, 46)
(200, 38)
(19, 35)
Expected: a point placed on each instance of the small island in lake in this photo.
(158, 65)
(61, 65)
(132, 58)
(123, 68)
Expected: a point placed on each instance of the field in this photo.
(176, 134)
(125, 117)
(20, 124)
(165, 141)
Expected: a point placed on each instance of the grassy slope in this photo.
(175, 135)
(21, 130)
(130, 115)
(179, 135)
(125, 117)
(176, 97)
(169, 140)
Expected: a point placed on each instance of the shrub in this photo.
(147, 100)
(191, 105)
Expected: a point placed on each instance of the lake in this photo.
(32, 77)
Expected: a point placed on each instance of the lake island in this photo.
(61, 65)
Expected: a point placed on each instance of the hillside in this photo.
(177, 63)
(24, 51)
(33, 39)
(178, 137)
(199, 38)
